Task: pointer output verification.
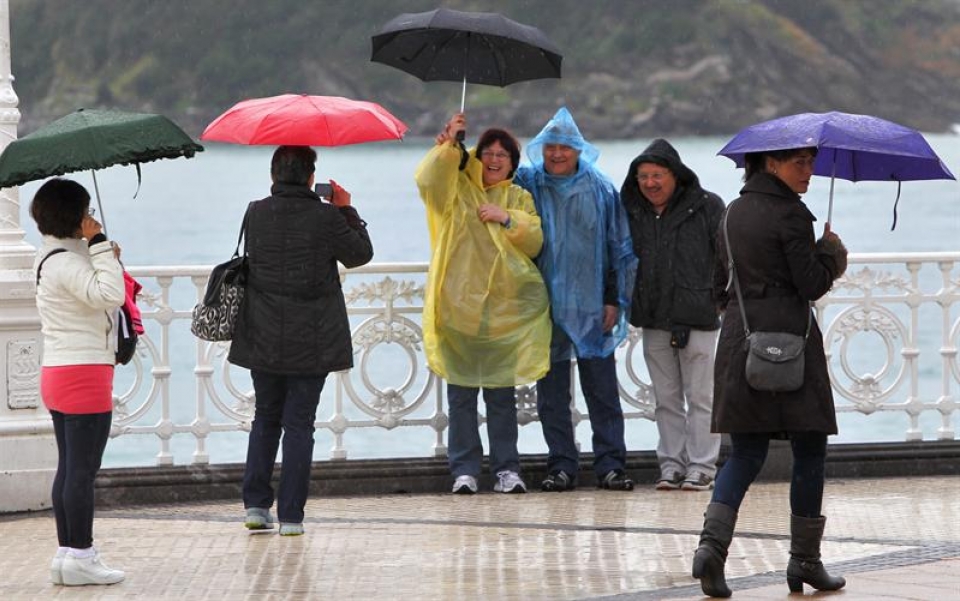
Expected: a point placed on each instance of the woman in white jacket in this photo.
(79, 286)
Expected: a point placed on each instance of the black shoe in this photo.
(615, 480)
(558, 481)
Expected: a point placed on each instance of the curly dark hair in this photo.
(756, 162)
(506, 140)
(59, 207)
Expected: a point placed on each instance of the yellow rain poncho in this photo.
(486, 317)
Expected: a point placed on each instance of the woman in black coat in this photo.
(292, 329)
(781, 270)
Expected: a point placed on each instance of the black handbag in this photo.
(215, 316)
(774, 359)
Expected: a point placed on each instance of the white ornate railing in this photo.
(891, 330)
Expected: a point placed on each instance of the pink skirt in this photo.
(77, 388)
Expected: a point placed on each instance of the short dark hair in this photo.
(59, 207)
(756, 162)
(506, 140)
(293, 165)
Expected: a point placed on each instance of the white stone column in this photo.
(28, 455)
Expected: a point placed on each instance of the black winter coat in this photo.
(293, 320)
(781, 271)
(674, 284)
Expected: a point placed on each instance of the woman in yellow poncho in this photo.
(486, 318)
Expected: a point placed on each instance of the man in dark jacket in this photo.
(674, 222)
(293, 329)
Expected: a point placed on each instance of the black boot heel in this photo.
(795, 584)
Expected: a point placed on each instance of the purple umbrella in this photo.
(851, 147)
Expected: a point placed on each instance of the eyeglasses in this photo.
(658, 177)
(490, 154)
(91, 211)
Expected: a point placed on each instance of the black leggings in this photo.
(81, 439)
(749, 454)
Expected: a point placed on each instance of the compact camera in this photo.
(324, 191)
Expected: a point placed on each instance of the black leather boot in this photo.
(805, 565)
(718, 523)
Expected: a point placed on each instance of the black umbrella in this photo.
(450, 45)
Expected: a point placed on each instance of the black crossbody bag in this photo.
(774, 359)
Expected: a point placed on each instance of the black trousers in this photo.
(81, 439)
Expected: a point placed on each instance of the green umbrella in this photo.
(93, 139)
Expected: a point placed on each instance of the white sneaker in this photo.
(465, 485)
(509, 482)
(290, 529)
(78, 571)
(57, 565)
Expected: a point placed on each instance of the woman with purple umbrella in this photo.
(781, 269)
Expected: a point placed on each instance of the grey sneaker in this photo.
(509, 482)
(290, 529)
(465, 485)
(258, 518)
(697, 482)
(669, 481)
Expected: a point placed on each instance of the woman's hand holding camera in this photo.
(340, 196)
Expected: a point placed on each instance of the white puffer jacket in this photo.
(78, 293)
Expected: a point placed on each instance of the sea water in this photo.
(188, 212)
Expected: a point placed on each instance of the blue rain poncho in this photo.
(486, 317)
(587, 245)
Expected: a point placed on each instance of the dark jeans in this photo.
(81, 439)
(463, 438)
(748, 456)
(598, 381)
(286, 405)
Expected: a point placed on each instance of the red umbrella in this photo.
(301, 120)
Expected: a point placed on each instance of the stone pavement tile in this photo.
(585, 544)
(898, 584)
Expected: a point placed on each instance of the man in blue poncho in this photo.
(588, 265)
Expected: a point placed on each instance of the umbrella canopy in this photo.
(93, 139)
(450, 45)
(301, 120)
(851, 147)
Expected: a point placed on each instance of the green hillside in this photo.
(631, 67)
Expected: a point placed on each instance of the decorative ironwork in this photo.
(895, 298)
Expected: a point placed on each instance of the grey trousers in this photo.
(683, 385)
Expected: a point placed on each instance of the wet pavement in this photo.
(892, 538)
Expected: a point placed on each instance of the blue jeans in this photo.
(598, 381)
(748, 456)
(286, 405)
(81, 439)
(463, 439)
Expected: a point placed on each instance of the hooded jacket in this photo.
(586, 261)
(674, 280)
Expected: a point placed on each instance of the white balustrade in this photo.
(890, 324)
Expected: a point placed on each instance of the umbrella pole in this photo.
(463, 94)
(96, 189)
(833, 177)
